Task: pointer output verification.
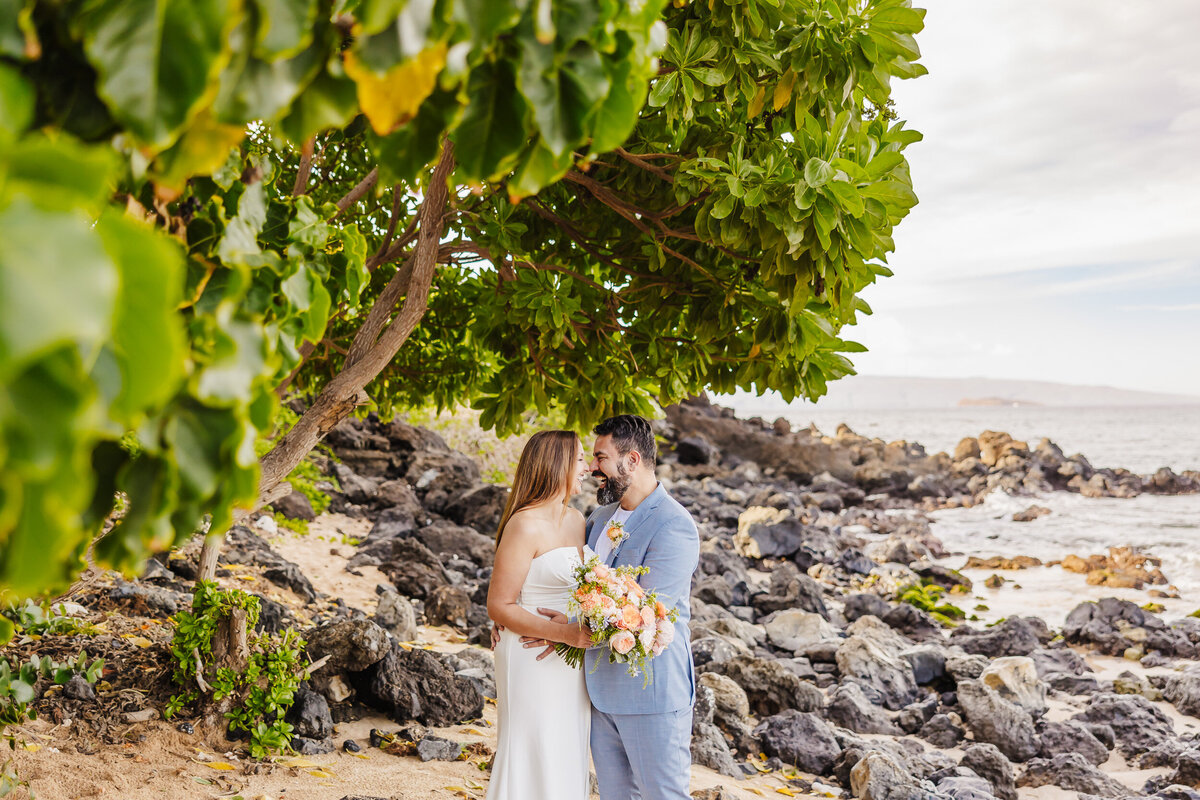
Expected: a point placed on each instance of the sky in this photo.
(1058, 233)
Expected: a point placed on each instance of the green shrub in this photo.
(263, 692)
(927, 596)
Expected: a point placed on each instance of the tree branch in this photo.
(356, 194)
(306, 154)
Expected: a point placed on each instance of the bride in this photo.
(544, 711)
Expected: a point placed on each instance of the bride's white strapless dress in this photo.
(544, 712)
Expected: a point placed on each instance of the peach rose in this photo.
(631, 618)
(666, 633)
(648, 617)
(607, 604)
(621, 642)
(601, 572)
(660, 610)
(657, 649)
(589, 605)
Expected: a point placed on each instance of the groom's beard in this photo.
(614, 486)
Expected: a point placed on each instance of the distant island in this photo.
(875, 392)
(997, 401)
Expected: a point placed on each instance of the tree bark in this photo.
(345, 392)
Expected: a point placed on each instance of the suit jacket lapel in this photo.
(637, 519)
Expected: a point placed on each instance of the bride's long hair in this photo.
(543, 473)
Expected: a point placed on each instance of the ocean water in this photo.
(1139, 439)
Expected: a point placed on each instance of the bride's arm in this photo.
(514, 555)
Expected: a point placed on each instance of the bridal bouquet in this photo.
(635, 625)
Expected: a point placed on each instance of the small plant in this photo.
(36, 620)
(17, 692)
(261, 693)
(299, 526)
(927, 596)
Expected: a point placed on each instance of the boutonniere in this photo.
(616, 533)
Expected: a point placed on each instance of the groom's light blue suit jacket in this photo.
(663, 538)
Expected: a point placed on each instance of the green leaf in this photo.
(563, 93)
(148, 337)
(241, 234)
(157, 60)
(902, 20)
(16, 99)
(35, 277)
(286, 27)
(891, 192)
(817, 172)
(61, 175)
(847, 197)
(329, 101)
(492, 130)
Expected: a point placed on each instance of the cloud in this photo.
(1059, 195)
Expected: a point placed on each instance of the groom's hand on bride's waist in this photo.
(530, 641)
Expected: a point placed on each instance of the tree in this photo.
(205, 207)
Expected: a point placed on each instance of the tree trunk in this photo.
(374, 347)
(231, 650)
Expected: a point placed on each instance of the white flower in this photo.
(666, 633)
(646, 637)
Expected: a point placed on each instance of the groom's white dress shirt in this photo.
(604, 545)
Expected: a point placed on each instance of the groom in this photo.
(641, 737)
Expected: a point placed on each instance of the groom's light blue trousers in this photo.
(643, 756)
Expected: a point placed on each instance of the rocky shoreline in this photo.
(809, 664)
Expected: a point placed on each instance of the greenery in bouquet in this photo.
(632, 624)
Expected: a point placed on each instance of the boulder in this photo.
(710, 650)
(418, 685)
(309, 715)
(941, 731)
(790, 588)
(357, 488)
(1012, 637)
(1183, 690)
(708, 745)
(414, 569)
(713, 589)
(928, 662)
(849, 708)
(1015, 679)
(447, 540)
(695, 450)
(995, 720)
(769, 686)
(1070, 737)
(448, 605)
(1071, 771)
(435, 748)
(1114, 626)
(965, 787)
(871, 654)
(863, 604)
(351, 644)
(1136, 722)
(801, 739)
(794, 629)
(880, 776)
(295, 506)
(986, 761)
(479, 508)
(396, 615)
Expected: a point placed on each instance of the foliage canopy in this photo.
(207, 206)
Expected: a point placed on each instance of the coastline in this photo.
(813, 669)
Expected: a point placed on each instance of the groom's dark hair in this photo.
(630, 432)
